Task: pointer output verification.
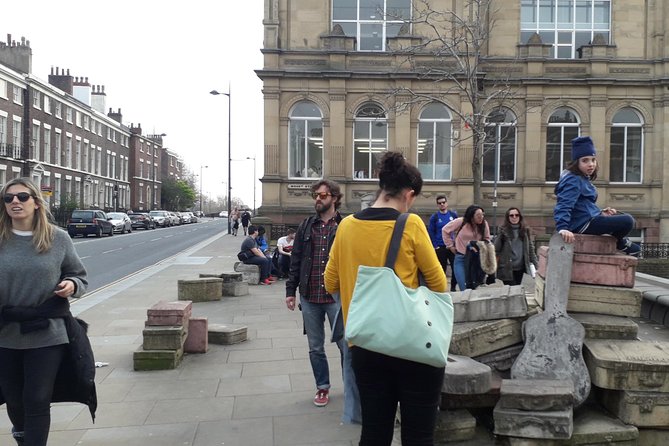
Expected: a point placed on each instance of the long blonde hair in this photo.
(43, 230)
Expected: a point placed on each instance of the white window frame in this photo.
(565, 148)
(497, 147)
(422, 142)
(562, 28)
(372, 146)
(379, 20)
(626, 126)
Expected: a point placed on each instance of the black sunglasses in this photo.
(22, 196)
(441, 202)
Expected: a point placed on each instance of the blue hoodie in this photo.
(576, 202)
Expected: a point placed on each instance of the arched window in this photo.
(370, 140)
(563, 126)
(305, 141)
(434, 143)
(499, 149)
(626, 147)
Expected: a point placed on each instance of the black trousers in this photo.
(26, 379)
(445, 257)
(384, 381)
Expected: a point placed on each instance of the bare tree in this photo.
(448, 53)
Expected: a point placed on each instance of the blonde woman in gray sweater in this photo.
(37, 262)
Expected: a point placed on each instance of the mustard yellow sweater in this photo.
(364, 238)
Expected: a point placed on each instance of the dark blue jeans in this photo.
(263, 262)
(26, 379)
(618, 225)
(383, 381)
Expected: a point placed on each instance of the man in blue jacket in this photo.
(437, 221)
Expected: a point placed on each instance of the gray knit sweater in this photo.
(28, 278)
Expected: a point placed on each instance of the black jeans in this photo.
(445, 257)
(26, 379)
(383, 381)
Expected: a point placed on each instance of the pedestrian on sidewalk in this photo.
(246, 219)
(515, 248)
(363, 239)
(234, 219)
(437, 221)
(39, 268)
(311, 249)
(255, 256)
(576, 210)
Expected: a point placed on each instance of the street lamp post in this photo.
(229, 95)
(201, 167)
(254, 182)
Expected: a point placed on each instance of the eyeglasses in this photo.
(22, 196)
(514, 215)
(321, 195)
(441, 202)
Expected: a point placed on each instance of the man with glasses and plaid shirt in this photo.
(437, 221)
(310, 253)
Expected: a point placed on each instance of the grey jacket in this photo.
(504, 251)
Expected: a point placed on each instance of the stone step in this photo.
(601, 326)
(536, 394)
(478, 338)
(227, 334)
(597, 269)
(156, 359)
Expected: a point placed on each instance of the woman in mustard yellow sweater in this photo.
(363, 239)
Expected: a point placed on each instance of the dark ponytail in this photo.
(397, 174)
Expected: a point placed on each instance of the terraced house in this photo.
(483, 96)
(60, 133)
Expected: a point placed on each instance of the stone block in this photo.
(231, 289)
(642, 409)
(600, 326)
(200, 290)
(536, 394)
(591, 428)
(478, 338)
(628, 365)
(156, 359)
(464, 376)
(454, 425)
(594, 244)
(164, 337)
(473, 401)
(197, 339)
(170, 313)
(592, 269)
(607, 300)
(501, 360)
(554, 424)
(653, 437)
(488, 303)
(227, 334)
(250, 273)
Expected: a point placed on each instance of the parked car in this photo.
(174, 218)
(183, 219)
(142, 220)
(190, 217)
(162, 218)
(121, 222)
(89, 221)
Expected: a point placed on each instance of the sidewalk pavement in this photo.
(258, 392)
(255, 393)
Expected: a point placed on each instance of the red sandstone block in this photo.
(597, 269)
(197, 339)
(594, 244)
(171, 308)
(170, 313)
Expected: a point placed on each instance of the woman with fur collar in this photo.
(515, 247)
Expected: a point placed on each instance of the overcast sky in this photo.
(158, 61)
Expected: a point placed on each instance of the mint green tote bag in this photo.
(386, 317)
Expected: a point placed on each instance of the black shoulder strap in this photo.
(394, 247)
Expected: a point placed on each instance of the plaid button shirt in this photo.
(320, 233)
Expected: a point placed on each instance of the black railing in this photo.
(655, 250)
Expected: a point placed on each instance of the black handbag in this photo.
(245, 255)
